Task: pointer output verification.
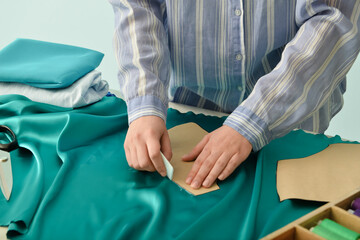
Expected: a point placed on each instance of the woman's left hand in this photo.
(217, 155)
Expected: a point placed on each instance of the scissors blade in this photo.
(6, 178)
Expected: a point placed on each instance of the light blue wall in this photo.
(85, 23)
(89, 23)
(347, 122)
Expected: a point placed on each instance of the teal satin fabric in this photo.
(45, 64)
(72, 181)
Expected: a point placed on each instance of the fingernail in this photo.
(221, 177)
(188, 180)
(185, 156)
(195, 184)
(206, 183)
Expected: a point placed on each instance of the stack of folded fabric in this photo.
(52, 73)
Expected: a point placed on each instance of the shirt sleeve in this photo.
(311, 68)
(142, 54)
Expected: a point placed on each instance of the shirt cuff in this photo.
(146, 106)
(252, 127)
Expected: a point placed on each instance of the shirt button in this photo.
(240, 88)
(238, 57)
(237, 12)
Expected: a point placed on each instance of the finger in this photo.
(196, 150)
(166, 146)
(216, 170)
(128, 156)
(206, 166)
(127, 151)
(196, 167)
(143, 159)
(133, 159)
(153, 148)
(234, 162)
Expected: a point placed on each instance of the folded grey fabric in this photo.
(88, 89)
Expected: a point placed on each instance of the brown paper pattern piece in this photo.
(183, 139)
(324, 176)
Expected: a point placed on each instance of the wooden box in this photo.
(336, 211)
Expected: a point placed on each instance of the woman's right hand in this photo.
(146, 137)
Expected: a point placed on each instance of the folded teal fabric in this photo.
(72, 181)
(44, 64)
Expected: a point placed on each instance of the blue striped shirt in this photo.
(275, 65)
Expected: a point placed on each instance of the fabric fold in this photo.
(87, 90)
(72, 180)
(45, 64)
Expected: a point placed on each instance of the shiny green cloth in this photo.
(72, 181)
(44, 64)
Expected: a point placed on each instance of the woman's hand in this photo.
(217, 155)
(146, 137)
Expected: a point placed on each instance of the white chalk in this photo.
(168, 166)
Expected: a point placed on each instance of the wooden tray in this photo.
(336, 211)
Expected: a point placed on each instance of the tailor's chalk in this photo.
(350, 211)
(325, 233)
(339, 229)
(356, 212)
(355, 204)
(168, 166)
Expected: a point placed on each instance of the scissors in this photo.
(6, 146)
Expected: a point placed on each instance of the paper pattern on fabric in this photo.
(183, 139)
(324, 176)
